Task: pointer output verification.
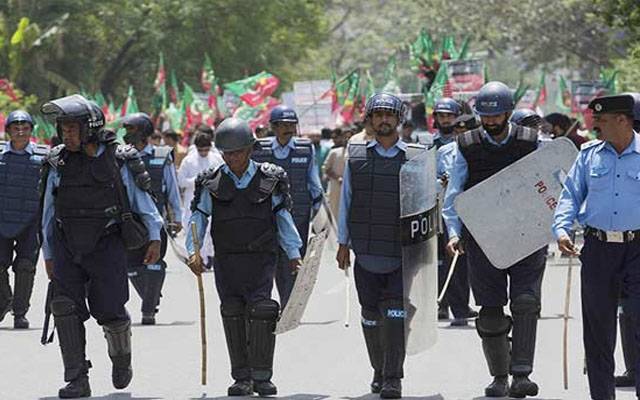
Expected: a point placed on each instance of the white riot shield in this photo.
(303, 286)
(510, 214)
(419, 220)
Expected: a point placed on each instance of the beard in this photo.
(495, 130)
(384, 130)
(446, 130)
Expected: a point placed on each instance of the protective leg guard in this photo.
(262, 341)
(372, 330)
(627, 323)
(153, 282)
(6, 297)
(25, 272)
(393, 341)
(118, 335)
(71, 335)
(136, 277)
(234, 320)
(524, 311)
(493, 327)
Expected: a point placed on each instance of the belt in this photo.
(612, 236)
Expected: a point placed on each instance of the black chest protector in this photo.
(296, 164)
(19, 184)
(85, 200)
(484, 159)
(243, 219)
(155, 164)
(374, 215)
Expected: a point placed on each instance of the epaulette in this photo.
(413, 150)
(266, 142)
(469, 138)
(302, 141)
(54, 157)
(126, 152)
(526, 134)
(41, 149)
(589, 144)
(357, 149)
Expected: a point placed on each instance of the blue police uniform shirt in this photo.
(345, 205)
(288, 236)
(313, 176)
(602, 189)
(28, 149)
(141, 204)
(458, 177)
(445, 159)
(170, 180)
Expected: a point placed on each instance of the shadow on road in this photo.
(371, 396)
(299, 396)
(333, 321)
(160, 324)
(111, 396)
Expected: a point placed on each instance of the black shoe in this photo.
(121, 371)
(376, 383)
(20, 322)
(75, 389)
(459, 322)
(391, 389)
(241, 387)
(148, 319)
(471, 313)
(498, 388)
(628, 379)
(265, 388)
(521, 387)
(443, 313)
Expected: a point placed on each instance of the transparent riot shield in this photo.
(419, 220)
(510, 214)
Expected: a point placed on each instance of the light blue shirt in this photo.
(602, 189)
(9, 148)
(443, 139)
(458, 177)
(313, 175)
(170, 185)
(140, 201)
(288, 236)
(445, 159)
(345, 205)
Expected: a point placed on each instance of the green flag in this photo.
(563, 96)
(520, 91)
(160, 87)
(448, 49)
(390, 77)
(464, 49)
(421, 52)
(254, 89)
(437, 89)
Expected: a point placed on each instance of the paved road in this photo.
(322, 359)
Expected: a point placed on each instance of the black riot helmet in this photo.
(76, 108)
(234, 134)
(139, 127)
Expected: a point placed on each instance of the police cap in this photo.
(618, 104)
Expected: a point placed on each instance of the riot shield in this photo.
(419, 220)
(510, 214)
(303, 286)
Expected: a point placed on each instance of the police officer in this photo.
(627, 320)
(526, 117)
(368, 223)
(601, 192)
(83, 247)
(248, 203)
(20, 169)
(148, 279)
(297, 156)
(480, 154)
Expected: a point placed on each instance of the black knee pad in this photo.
(62, 306)
(267, 310)
(492, 322)
(370, 318)
(23, 265)
(525, 304)
(233, 308)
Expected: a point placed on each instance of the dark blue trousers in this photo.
(607, 269)
(100, 278)
(244, 277)
(374, 288)
(25, 245)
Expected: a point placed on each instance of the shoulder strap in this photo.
(526, 134)
(469, 138)
(357, 149)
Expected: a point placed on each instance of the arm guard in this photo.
(282, 186)
(128, 155)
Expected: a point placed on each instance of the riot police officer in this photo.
(90, 193)
(482, 153)
(149, 279)
(297, 156)
(20, 169)
(526, 117)
(369, 223)
(248, 203)
(601, 193)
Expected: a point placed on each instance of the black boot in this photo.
(524, 310)
(153, 282)
(234, 322)
(71, 335)
(372, 330)
(393, 344)
(118, 335)
(493, 327)
(627, 327)
(25, 272)
(6, 297)
(262, 341)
